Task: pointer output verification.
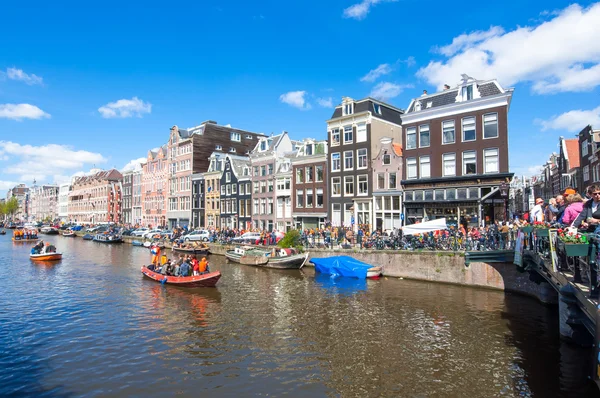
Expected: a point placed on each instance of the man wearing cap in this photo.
(537, 212)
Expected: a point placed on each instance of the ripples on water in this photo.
(91, 325)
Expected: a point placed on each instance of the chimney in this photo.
(424, 92)
(446, 87)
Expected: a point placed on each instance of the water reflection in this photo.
(266, 332)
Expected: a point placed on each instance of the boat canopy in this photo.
(427, 226)
(341, 266)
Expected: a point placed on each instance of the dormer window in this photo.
(377, 108)
(246, 171)
(219, 148)
(429, 104)
(232, 150)
(348, 109)
(418, 106)
(236, 136)
(263, 145)
(309, 149)
(467, 92)
(386, 158)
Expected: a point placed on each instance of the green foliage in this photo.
(291, 239)
(11, 206)
(320, 149)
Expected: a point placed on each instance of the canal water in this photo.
(91, 325)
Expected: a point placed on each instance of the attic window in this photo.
(386, 158)
(236, 136)
(263, 145)
(467, 92)
(429, 104)
(417, 106)
(219, 148)
(377, 108)
(348, 109)
(246, 171)
(248, 137)
(232, 150)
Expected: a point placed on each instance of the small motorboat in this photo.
(88, 237)
(46, 256)
(137, 243)
(3, 232)
(108, 238)
(192, 249)
(150, 244)
(204, 280)
(275, 258)
(346, 266)
(68, 234)
(49, 230)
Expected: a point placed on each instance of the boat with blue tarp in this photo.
(346, 266)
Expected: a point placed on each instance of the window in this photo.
(255, 206)
(335, 137)
(270, 169)
(392, 180)
(363, 185)
(380, 181)
(270, 206)
(309, 198)
(424, 140)
(377, 108)
(319, 176)
(349, 185)
(362, 158)
(348, 138)
(232, 150)
(299, 176)
(348, 160)
(256, 187)
(241, 189)
(263, 145)
(270, 186)
(256, 171)
(228, 176)
(336, 186)
(348, 109)
(386, 158)
(490, 160)
(425, 167)
(263, 186)
(449, 164)
(361, 132)
(448, 132)
(417, 106)
(319, 197)
(218, 147)
(335, 162)
(469, 159)
(308, 150)
(234, 189)
(411, 138)
(299, 198)
(490, 125)
(222, 189)
(411, 168)
(584, 148)
(263, 170)
(467, 93)
(236, 136)
(468, 129)
(228, 189)
(309, 174)
(586, 173)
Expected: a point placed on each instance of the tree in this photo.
(11, 206)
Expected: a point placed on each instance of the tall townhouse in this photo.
(212, 185)
(95, 198)
(589, 144)
(235, 193)
(154, 188)
(43, 202)
(266, 157)
(354, 133)
(21, 193)
(387, 191)
(456, 153)
(198, 201)
(63, 201)
(136, 195)
(568, 163)
(309, 185)
(127, 196)
(284, 219)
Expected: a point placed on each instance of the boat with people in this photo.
(45, 252)
(46, 256)
(193, 248)
(346, 266)
(204, 280)
(3, 232)
(25, 235)
(274, 258)
(68, 233)
(108, 238)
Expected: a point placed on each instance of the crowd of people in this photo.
(184, 265)
(25, 234)
(41, 248)
(570, 209)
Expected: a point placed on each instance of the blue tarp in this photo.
(342, 266)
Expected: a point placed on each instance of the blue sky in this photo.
(83, 85)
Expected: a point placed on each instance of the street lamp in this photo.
(504, 194)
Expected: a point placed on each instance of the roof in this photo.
(572, 152)
(109, 175)
(397, 148)
(388, 112)
(447, 97)
(238, 163)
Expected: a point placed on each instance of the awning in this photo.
(427, 226)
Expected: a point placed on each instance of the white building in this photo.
(63, 201)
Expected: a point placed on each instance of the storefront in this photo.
(310, 220)
(388, 211)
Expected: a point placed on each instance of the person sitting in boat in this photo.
(49, 248)
(37, 249)
(203, 266)
(195, 266)
(184, 270)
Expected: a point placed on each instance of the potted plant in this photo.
(527, 228)
(576, 244)
(541, 229)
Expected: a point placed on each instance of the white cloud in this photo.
(133, 164)
(561, 54)
(295, 99)
(387, 90)
(360, 10)
(325, 102)
(125, 108)
(376, 73)
(572, 121)
(21, 111)
(410, 61)
(46, 161)
(18, 74)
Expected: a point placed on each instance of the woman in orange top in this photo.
(203, 266)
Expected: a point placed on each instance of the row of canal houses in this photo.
(446, 155)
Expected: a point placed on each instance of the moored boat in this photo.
(204, 280)
(346, 266)
(46, 256)
(192, 250)
(137, 243)
(3, 232)
(49, 230)
(88, 237)
(68, 234)
(276, 258)
(107, 238)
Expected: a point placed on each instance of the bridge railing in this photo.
(580, 262)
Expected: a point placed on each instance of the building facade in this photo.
(309, 185)
(235, 184)
(568, 164)
(96, 198)
(21, 193)
(136, 195)
(198, 201)
(127, 197)
(43, 201)
(284, 217)
(63, 201)
(387, 190)
(354, 133)
(588, 157)
(456, 153)
(212, 183)
(154, 188)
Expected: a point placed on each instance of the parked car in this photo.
(202, 235)
(97, 230)
(76, 228)
(150, 233)
(248, 237)
(139, 232)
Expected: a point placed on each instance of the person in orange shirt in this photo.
(203, 266)
(156, 255)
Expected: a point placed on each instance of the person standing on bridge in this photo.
(537, 212)
(589, 218)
